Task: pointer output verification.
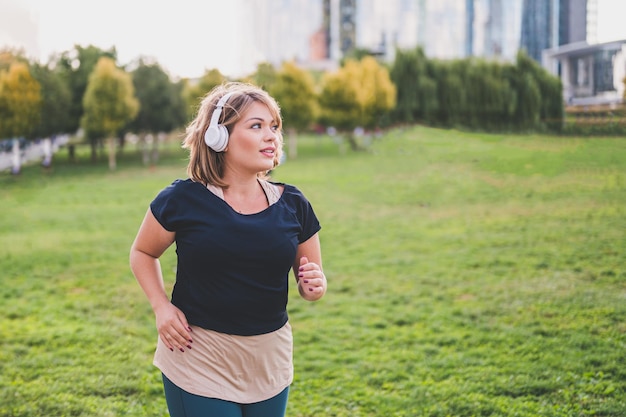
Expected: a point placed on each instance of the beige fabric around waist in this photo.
(242, 369)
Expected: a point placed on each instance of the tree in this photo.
(20, 102)
(264, 76)
(550, 106)
(76, 66)
(528, 106)
(56, 101)
(359, 94)
(552, 103)
(161, 106)
(194, 93)
(491, 98)
(339, 105)
(294, 90)
(377, 93)
(10, 55)
(20, 106)
(109, 103)
(416, 97)
(451, 99)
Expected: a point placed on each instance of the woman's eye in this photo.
(275, 128)
(256, 126)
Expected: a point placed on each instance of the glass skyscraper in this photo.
(547, 24)
(537, 26)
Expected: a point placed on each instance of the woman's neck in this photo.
(242, 185)
(246, 196)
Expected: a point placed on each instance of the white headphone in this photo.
(216, 135)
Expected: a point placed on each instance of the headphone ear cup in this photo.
(216, 138)
(216, 135)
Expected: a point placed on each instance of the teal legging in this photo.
(181, 403)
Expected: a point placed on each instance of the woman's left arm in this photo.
(308, 270)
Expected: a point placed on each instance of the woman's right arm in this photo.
(151, 241)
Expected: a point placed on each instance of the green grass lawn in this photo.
(469, 275)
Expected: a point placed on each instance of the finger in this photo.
(301, 274)
(165, 341)
(176, 336)
(177, 343)
(182, 338)
(317, 283)
(173, 341)
(186, 329)
(312, 274)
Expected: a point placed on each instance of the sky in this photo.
(186, 37)
(611, 20)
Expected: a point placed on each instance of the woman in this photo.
(225, 343)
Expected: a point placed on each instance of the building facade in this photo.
(445, 29)
(590, 73)
(556, 33)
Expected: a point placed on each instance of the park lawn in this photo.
(469, 275)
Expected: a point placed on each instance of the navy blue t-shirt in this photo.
(233, 269)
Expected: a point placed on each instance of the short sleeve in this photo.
(165, 207)
(307, 218)
(310, 223)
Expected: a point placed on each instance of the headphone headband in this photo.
(218, 109)
(216, 135)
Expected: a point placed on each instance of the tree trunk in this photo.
(143, 143)
(16, 158)
(71, 152)
(47, 153)
(292, 143)
(121, 140)
(94, 150)
(112, 162)
(352, 141)
(160, 137)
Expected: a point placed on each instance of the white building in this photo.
(590, 73)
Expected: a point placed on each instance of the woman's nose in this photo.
(271, 134)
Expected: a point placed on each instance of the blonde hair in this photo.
(206, 165)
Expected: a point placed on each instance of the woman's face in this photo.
(253, 141)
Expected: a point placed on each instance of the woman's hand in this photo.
(173, 328)
(311, 280)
